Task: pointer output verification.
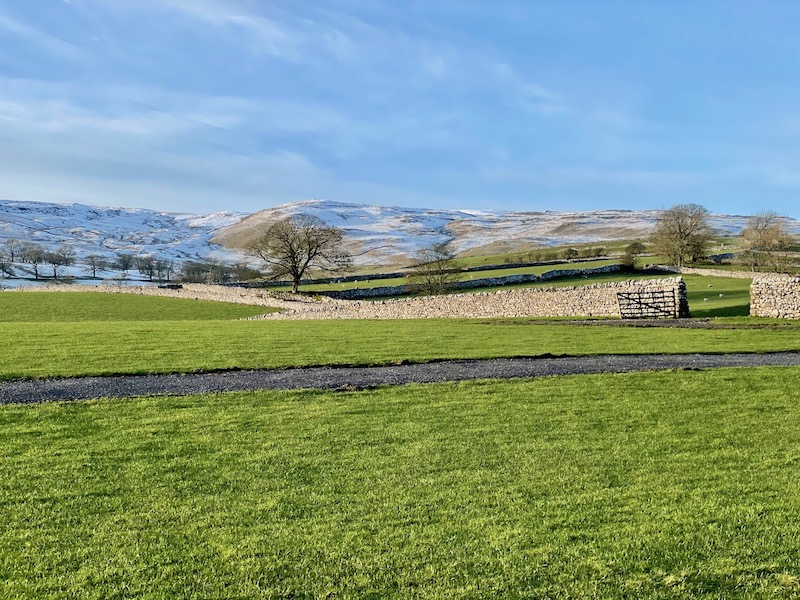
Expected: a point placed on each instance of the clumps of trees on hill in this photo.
(41, 263)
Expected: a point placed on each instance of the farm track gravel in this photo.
(350, 378)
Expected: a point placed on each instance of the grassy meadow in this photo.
(500, 271)
(61, 349)
(666, 485)
(703, 292)
(61, 334)
(40, 307)
(657, 485)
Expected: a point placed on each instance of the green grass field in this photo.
(78, 334)
(104, 348)
(703, 292)
(33, 307)
(500, 271)
(669, 485)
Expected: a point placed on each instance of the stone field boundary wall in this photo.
(598, 300)
(400, 290)
(706, 272)
(407, 273)
(776, 296)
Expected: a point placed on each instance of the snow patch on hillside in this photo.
(110, 231)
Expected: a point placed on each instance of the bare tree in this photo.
(146, 265)
(33, 254)
(63, 257)
(56, 260)
(767, 240)
(5, 264)
(434, 268)
(299, 244)
(209, 271)
(95, 262)
(124, 261)
(13, 248)
(682, 232)
(67, 253)
(164, 268)
(242, 271)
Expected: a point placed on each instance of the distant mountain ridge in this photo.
(380, 233)
(376, 234)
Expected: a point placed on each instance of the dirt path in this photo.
(340, 378)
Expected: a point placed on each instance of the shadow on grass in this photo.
(741, 310)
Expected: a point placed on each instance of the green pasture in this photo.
(500, 271)
(612, 248)
(60, 349)
(62, 334)
(718, 296)
(660, 485)
(22, 307)
(703, 292)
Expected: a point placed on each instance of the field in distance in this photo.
(37, 307)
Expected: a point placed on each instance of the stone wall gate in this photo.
(646, 302)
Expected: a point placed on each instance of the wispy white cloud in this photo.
(260, 28)
(41, 39)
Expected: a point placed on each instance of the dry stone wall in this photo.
(775, 296)
(706, 272)
(399, 290)
(599, 300)
(658, 298)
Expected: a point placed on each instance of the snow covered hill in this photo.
(110, 231)
(380, 233)
(376, 234)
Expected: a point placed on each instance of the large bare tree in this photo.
(434, 268)
(300, 244)
(767, 240)
(682, 233)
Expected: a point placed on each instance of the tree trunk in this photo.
(295, 284)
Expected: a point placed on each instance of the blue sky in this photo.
(206, 105)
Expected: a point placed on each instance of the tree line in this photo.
(683, 234)
(50, 264)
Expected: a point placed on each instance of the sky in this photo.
(214, 105)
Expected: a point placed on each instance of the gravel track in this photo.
(343, 378)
